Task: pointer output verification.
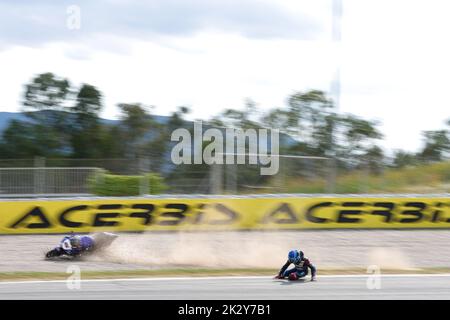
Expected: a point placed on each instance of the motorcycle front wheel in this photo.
(52, 253)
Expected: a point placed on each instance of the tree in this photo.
(157, 147)
(359, 137)
(275, 118)
(45, 104)
(85, 128)
(312, 119)
(374, 159)
(307, 109)
(18, 141)
(404, 159)
(46, 92)
(135, 122)
(111, 143)
(89, 102)
(238, 118)
(437, 143)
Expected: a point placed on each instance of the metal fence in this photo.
(45, 181)
(47, 176)
(295, 174)
(308, 175)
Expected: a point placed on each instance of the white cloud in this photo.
(32, 23)
(394, 62)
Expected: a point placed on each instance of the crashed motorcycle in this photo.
(76, 246)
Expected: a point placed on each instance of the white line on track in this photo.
(224, 278)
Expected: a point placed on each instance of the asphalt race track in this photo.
(341, 249)
(327, 287)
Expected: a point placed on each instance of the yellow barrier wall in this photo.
(62, 216)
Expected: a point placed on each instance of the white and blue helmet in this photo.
(295, 256)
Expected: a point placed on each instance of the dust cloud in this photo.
(224, 250)
(233, 249)
(389, 258)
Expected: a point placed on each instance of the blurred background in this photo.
(53, 150)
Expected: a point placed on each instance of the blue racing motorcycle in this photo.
(75, 246)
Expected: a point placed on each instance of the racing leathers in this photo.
(300, 268)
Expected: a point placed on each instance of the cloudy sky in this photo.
(210, 55)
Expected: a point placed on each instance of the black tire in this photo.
(52, 253)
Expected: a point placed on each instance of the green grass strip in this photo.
(9, 276)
